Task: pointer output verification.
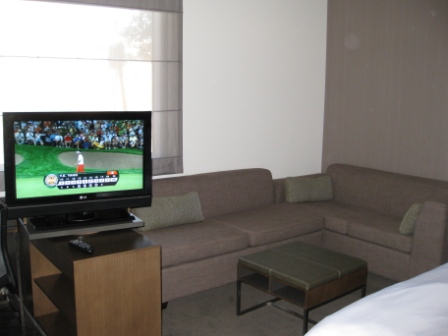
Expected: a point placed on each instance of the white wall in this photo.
(254, 77)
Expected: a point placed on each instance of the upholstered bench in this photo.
(304, 275)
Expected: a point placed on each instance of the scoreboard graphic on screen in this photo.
(82, 180)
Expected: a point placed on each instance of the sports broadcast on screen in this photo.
(54, 158)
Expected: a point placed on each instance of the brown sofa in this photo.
(245, 211)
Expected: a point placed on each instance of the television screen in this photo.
(76, 161)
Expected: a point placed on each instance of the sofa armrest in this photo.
(430, 238)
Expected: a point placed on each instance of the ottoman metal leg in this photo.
(238, 302)
(305, 321)
(238, 298)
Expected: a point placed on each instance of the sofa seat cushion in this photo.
(337, 216)
(364, 224)
(274, 223)
(382, 231)
(195, 241)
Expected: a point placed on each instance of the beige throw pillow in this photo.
(170, 211)
(308, 189)
(407, 225)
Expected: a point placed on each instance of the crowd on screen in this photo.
(81, 134)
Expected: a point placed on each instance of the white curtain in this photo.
(161, 71)
(155, 5)
(167, 94)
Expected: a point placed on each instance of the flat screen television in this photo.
(76, 168)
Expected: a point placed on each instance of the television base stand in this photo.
(68, 224)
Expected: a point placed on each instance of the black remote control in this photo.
(81, 245)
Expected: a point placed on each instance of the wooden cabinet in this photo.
(114, 291)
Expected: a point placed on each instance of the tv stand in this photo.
(80, 224)
(81, 216)
(115, 291)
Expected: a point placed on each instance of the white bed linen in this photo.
(418, 306)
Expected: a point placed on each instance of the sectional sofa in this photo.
(205, 222)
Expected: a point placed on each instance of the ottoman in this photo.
(305, 275)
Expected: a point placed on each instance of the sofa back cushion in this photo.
(388, 193)
(308, 189)
(222, 192)
(171, 211)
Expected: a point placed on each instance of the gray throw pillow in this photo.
(308, 189)
(407, 225)
(170, 211)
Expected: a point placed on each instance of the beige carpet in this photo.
(213, 313)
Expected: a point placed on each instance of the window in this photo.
(71, 57)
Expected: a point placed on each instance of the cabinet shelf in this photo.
(270, 286)
(56, 324)
(59, 290)
(257, 281)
